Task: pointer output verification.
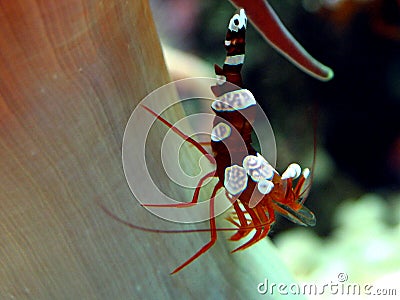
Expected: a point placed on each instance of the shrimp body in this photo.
(256, 190)
(246, 175)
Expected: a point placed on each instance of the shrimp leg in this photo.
(212, 229)
(182, 135)
(195, 195)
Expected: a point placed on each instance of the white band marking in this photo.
(234, 60)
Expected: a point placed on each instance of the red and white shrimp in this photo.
(256, 190)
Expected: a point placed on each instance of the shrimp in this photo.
(256, 190)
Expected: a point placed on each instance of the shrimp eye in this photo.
(234, 23)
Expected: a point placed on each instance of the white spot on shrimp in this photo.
(227, 43)
(220, 132)
(251, 162)
(265, 186)
(238, 21)
(221, 79)
(292, 171)
(306, 173)
(257, 167)
(235, 100)
(235, 180)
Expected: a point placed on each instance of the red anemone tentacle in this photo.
(270, 26)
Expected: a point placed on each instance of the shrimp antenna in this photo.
(154, 230)
(315, 126)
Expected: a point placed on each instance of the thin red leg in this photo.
(205, 143)
(299, 185)
(263, 231)
(241, 233)
(289, 186)
(265, 220)
(233, 201)
(212, 229)
(256, 222)
(194, 199)
(232, 220)
(240, 214)
(181, 134)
